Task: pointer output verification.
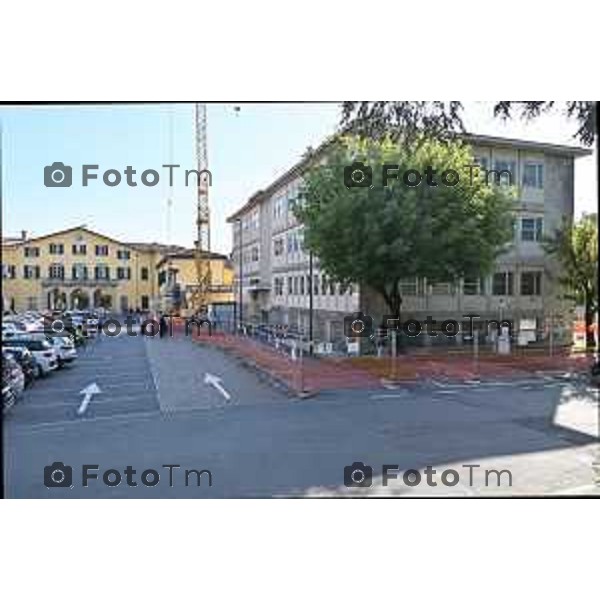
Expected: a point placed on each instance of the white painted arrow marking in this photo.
(215, 381)
(88, 392)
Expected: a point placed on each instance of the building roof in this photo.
(11, 241)
(156, 247)
(489, 140)
(474, 139)
(139, 246)
(190, 255)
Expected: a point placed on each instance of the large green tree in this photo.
(405, 118)
(575, 245)
(378, 235)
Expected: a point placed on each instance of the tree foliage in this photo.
(378, 235)
(404, 118)
(575, 246)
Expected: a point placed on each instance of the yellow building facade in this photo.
(81, 269)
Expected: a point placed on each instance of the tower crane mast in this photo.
(200, 296)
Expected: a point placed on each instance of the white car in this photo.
(91, 326)
(8, 329)
(65, 349)
(42, 350)
(62, 342)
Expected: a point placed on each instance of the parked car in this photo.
(26, 362)
(9, 327)
(62, 341)
(91, 325)
(42, 350)
(65, 348)
(13, 381)
(8, 398)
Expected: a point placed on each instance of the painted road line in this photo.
(59, 425)
(389, 396)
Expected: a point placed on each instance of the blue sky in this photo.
(247, 150)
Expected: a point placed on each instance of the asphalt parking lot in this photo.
(155, 407)
(117, 366)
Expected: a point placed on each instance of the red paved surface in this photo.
(367, 372)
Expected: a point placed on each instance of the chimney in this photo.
(23, 235)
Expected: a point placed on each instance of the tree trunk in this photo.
(393, 299)
(590, 340)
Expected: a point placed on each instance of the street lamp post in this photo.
(310, 303)
(241, 305)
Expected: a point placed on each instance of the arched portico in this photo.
(80, 300)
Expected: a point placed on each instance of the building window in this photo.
(295, 286)
(79, 272)
(279, 207)
(145, 303)
(79, 249)
(102, 272)
(102, 250)
(56, 249)
(56, 271)
(302, 285)
(254, 254)
(332, 286)
(532, 229)
(289, 287)
(123, 273)
(533, 175)
(144, 273)
(123, 254)
(482, 161)
(441, 289)
(531, 283)
(472, 287)
(31, 252)
(31, 272)
(408, 287)
(290, 243)
(278, 247)
(278, 285)
(506, 172)
(315, 285)
(502, 284)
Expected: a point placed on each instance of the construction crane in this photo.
(200, 295)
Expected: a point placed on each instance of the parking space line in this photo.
(99, 402)
(60, 424)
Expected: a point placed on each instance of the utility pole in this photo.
(241, 278)
(310, 303)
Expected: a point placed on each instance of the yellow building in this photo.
(78, 268)
(177, 281)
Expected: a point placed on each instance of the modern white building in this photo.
(275, 268)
